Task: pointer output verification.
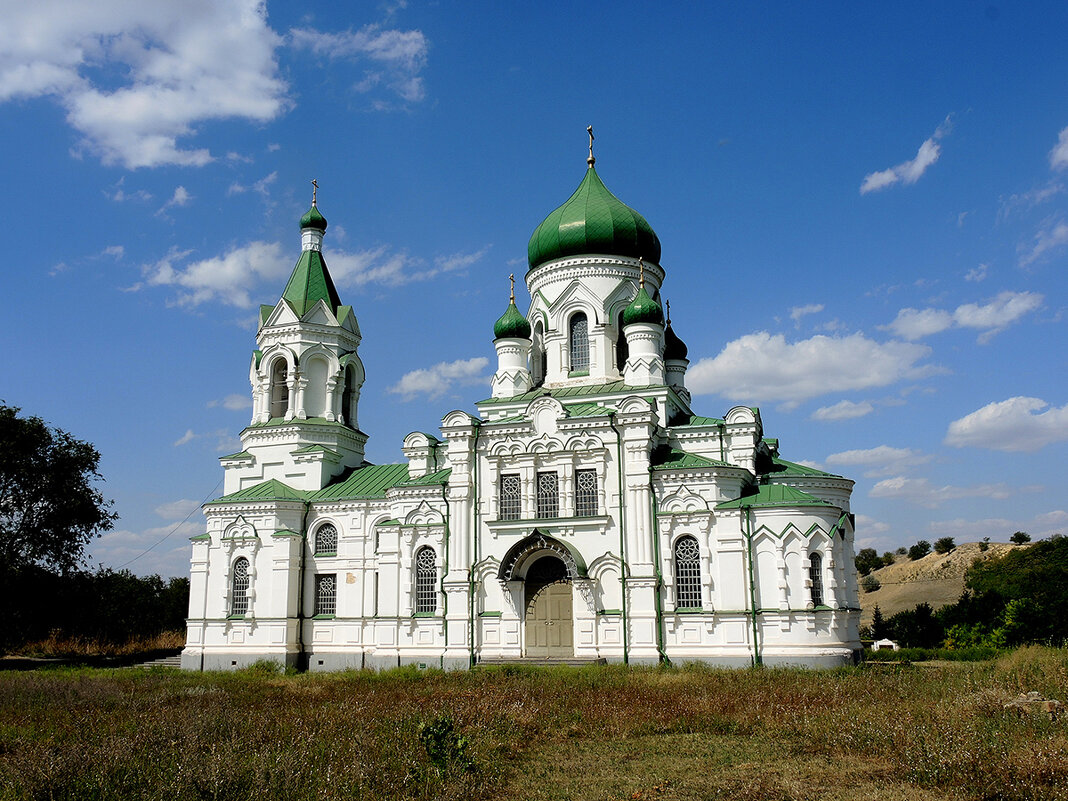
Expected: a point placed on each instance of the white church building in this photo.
(583, 512)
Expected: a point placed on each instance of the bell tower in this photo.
(306, 377)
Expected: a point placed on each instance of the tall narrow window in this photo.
(815, 575)
(622, 349)
(548, 495)
(511, 503)
(426, 581)
(579, 331)
(585, 493)
(325, 594)
(687, 574)
(326, 539)
(537, 356)
(279, 389)
(239, 588)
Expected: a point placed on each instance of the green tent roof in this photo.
(781, 467)
(310, 283)
(270, 490)
(593, 220)
(665, 458)
(774, 495)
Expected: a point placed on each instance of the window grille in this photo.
(548, 495)
(279, 389)
(585, 493)
(239, 588)
(687, 574)
(815, 575)
(426, 580)
(325, 594)
(580, 343)
(622, 349)
(326, 539)
(511, 503)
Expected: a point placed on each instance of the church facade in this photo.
(585, 511)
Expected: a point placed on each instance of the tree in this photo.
(944, 545)
(867, 560)
(919, 550)
(870, 584)
(1020, 537)
(50, 508)
(878, 624)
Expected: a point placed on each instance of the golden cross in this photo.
(641, 272)
(511, 291)
(315, 188)
(591, 159)
(668, 304)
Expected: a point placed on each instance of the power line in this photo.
(176, 527)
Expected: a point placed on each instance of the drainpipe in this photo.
(302, 657)
(474, 558)
(623, 569)
(722, 445)
(757, 660)
(444, 573)
(659, 575)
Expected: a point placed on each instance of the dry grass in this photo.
(57, 645)
(594, 733)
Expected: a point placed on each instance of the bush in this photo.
(867, 560)
(919, 550)
(985, 544)
(944, 545)
(870, 584)
(1020, 537)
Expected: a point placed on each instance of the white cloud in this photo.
(843, 410)
(1054, 235)
(797, 312)
(261, 186)
(989, 318)
(1000, 529)
(977, 274)
(177, 510)
(181, 197)
(164, 549)
(185, 439)
(908, 172)
(1010, 425)
(135, 78)
(921, 492)
(439, 379)
(115, 251)
(229, 278)
(884, 460)
(232, 402)
(1058, 157)
(765, 367)
(870, 526)
(394, 58)
(381, 266)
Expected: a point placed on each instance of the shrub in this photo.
(919, 550)
(870, 584)
(985, 544)
(1020, 537)
(867, 560)
(944, 545)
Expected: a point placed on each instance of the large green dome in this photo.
(593, 220)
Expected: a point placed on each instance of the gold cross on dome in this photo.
(591, 159)
(315, 188)
(511, 290)
(668, 304)
(641, 272)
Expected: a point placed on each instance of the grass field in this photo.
(892, 732)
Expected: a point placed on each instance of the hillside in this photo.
(937, 579)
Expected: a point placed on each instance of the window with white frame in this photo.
(426, 581)
(325, 593)
(815, 575)
(279, 389)
(579, 338)
(326, 539)
(687, 574)
(510, 500)
(585, 493)
(548, 495)
(239, 588)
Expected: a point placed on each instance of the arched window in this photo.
(815, 575)
(239, 588)
(348, 398)
(622, 350)
(326, 539)
(279, 389)
(687, 574)
(426, 581)
(325, 594)
(579, 332)
(538, 357)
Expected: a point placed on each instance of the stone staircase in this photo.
(169, 661)
(546, 661)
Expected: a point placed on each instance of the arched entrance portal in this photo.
(548, 624)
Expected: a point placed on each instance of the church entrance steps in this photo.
(171, 660)
(569, 661)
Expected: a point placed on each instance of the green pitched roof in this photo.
(310, 283)
(781, 467)
(440, 477)
(593, 220)
(774, 495)
(366, 481)
(270, 490)
(587, 410)
(567, 392)
(697, 420)
(512, 324)
(665, 458)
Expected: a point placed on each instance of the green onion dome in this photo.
(674, 348)
(593, 220)
(313, 219)
(643, 309)
(512, 324)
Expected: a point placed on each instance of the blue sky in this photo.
(863, 211)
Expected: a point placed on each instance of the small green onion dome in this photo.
(674, 348)
(593, 220)
(643, 309)
(313, 219)
(512, 324)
